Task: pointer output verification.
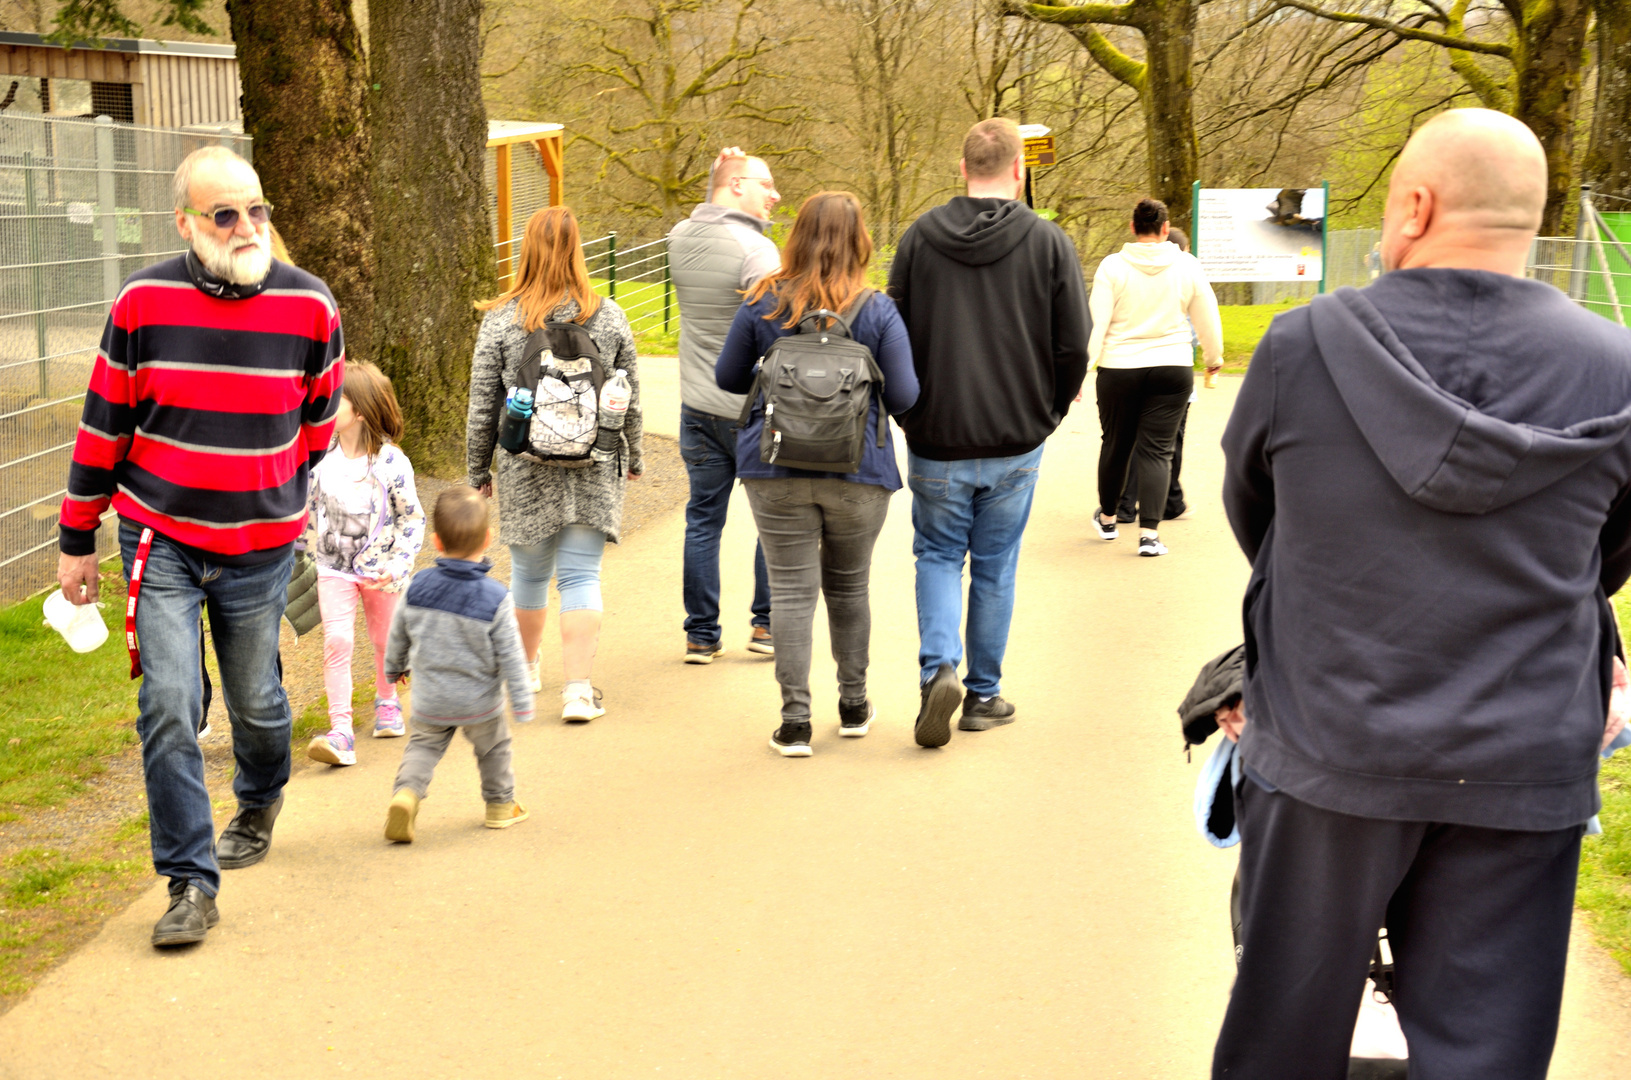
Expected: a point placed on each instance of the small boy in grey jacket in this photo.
(455, 631)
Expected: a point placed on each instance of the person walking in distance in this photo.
(1146, 297)
(996, 310)
(1431, 477)
(555, 516)
(820, 526)
(713, 256)
(232, 363)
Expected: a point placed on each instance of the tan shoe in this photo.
(501, 815)
(400, 816)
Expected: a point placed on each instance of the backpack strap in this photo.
(840, 321)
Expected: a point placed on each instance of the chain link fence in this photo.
(83, 204)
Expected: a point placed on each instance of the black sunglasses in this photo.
(227, 217)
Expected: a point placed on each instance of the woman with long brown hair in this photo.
(556, 520)
(818, 528)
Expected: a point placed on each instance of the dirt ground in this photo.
(1031, 901)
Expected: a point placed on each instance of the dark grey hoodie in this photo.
(996, 309)
(1430, 478)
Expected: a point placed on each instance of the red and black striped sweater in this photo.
(205, 415)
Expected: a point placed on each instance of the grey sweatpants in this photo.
(428, 742)
(818, 536)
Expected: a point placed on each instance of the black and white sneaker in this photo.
(1107, 529)
(791, 740)
(855, 720)
(1150, 546)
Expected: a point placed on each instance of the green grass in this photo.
(1605, 861)
(61, 713)
(1243, 327)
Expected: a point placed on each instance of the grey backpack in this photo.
(818, 384)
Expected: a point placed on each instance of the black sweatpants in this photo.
(1128, 506)
(1133, 401)
(1477, 919)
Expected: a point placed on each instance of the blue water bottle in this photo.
(513, 425)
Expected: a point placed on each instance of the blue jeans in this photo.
(244, 606)
(978, 509)
(572, 557)
(708, 447)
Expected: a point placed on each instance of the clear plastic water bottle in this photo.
(614, 406)
(513, 425)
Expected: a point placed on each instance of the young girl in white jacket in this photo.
(1144, 301)
(369, 527)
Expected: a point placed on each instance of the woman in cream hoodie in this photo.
(1145, 299)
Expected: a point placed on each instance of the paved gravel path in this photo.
(1031, 901)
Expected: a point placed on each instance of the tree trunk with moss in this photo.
(432, 242)
(304, 83)
(1168, 97)
(1608, 158)
(1552, 46)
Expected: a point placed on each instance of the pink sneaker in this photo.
(335, 748)
(388, 719)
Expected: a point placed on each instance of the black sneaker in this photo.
(791, 740)
(855, 720)
(1106, 532)
(699, 652)
(940, 694)
(979, 715)
(1151, 546)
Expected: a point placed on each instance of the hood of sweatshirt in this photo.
(714, 214)
(1150, 258)
(976, 232)
(1441, 450)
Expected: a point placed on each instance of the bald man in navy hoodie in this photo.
(1430, 477)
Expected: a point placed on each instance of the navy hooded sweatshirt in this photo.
(1430, 477)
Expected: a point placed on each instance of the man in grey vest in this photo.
(713, 255)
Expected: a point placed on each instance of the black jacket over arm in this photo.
(1430, 477)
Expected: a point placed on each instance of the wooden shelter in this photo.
(523, 158)
(150, 83)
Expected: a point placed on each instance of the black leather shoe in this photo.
(245, 841)
(982, 715)
(192, 913)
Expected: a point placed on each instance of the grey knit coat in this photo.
(535, 501)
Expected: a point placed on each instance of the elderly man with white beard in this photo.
(212, 397)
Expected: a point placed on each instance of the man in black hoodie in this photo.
(996, 309)
(1430, 477)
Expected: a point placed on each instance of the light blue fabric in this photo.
(1594, 827)
(572, 557)
(1225, 759)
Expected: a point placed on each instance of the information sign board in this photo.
(1261, 234)
(1039, 151)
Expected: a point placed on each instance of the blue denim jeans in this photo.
(975, 509)
(572, 557)
(708, 447)
(244, 606)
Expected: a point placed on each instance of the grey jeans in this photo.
(818, 536)
(428, 742)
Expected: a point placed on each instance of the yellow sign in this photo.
(1039, 151)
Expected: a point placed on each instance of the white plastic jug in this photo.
(81, 625)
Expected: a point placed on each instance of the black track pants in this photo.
(1478, 921)
(1140, 401)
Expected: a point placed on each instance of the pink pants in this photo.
(337, 600)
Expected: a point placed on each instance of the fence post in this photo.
(36, 285)
(668, 287)
(107, 211)
(611, 262)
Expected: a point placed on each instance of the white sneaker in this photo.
(581, 710)
(535, 681)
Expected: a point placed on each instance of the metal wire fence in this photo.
(636, 276)
(83, 204)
